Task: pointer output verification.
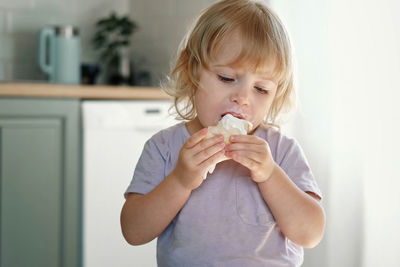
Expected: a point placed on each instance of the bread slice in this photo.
(227, 126)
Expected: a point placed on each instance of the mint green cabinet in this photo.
(40, 183)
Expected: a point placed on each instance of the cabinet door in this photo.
(39, 183)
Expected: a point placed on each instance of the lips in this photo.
(234, 114)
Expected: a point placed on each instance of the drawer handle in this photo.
(153, 111)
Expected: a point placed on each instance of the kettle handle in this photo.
(45, 49)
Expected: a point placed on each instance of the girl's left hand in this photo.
(253, 153)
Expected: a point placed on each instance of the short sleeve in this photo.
(150, 169)
(293, 161)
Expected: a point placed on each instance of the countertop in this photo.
(45, 90)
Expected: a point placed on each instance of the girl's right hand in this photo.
(196, 156)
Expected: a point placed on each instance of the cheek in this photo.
(208, 104)
(203, 107)
(211, 94)
(261, 107)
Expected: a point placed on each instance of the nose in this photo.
(240, 94)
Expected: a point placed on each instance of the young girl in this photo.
(261, 207)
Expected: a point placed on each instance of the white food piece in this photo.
(227, 126)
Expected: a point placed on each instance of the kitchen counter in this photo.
(43, 90)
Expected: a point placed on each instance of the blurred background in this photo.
(348, 67)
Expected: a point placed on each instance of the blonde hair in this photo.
(263, 38)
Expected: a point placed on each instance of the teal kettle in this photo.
(59, 54)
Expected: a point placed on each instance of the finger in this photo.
(243, 138)
(259, 148)
(254, 156)
(245, 161)
(209, 152)
(196, 138)
(206, 143)
(214, 159)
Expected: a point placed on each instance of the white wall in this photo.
(376, 36)
(365, 43)
(349, 64)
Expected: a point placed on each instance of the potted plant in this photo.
(111, 38)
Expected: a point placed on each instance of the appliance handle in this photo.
(45, 49)
(152, 111)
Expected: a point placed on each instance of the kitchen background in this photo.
(161, 26)
(348, 120)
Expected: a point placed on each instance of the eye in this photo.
(225, 79)
(261, 90)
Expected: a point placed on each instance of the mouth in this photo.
(234, 114)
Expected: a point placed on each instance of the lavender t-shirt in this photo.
(225, 222)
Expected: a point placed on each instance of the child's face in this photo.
(237, 90)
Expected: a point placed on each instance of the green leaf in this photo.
(112, 33)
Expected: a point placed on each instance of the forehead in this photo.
(228, 50)
(233, 51)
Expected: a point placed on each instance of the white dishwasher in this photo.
(114, 133)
